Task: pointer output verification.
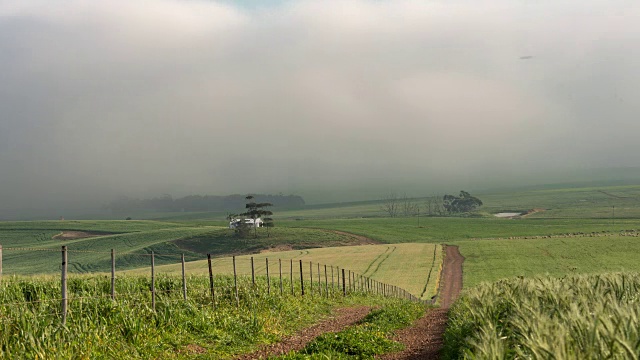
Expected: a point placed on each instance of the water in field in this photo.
(507, 214)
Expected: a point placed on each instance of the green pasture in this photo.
(384, 263)
(30, 248)
(490, 260)
(396, 230)
(579, 203)
(564, 202)
(110, 226)
(483, 239)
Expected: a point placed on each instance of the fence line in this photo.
(349, 281)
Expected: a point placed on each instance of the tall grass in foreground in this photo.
(577, 317)
(98, 327)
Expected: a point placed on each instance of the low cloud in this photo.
(140, 98)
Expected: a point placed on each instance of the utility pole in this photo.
(613, 217)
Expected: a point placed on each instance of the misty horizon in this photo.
(329, 100)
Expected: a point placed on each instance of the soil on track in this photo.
(359, 239)
(74, 235)
(339, 320)
(423, 340)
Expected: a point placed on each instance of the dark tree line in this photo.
(166, 203)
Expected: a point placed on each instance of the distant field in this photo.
(582, 202)
(115, 226)
(404, 265)
(393, 230)
(490, 260)
(567, 202)
(566, 211)
(30, 247)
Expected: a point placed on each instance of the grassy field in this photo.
(490, 260)
(98, 327)
(567, 211)
(397, 230)
(575, 234)
(384, 263)
(30, 247)
(560, 202)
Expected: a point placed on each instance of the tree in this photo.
(390, 204)
(409, 207)
(268, 223)
(255, 211)
(464, 202)
(434, 206)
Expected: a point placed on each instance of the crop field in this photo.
(574, 317)
(384, 263)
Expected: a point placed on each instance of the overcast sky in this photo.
(145, 97)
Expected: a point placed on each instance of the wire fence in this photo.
(227, 281)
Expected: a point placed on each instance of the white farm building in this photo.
(235, 222)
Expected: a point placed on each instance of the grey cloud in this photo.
(147, 97)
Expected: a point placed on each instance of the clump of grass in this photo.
(577, 317)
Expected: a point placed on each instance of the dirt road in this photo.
(451, 278)
(338, 321)
(423, 340)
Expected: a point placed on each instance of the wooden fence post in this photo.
(113, 274)
(235, 280)
(211, 287)
(311, 278)
(301, 279)
(332, 284)
(0, 262)
(268, 279)
(184, 280)
(326, 282)
(349, 280)
(153, 281)
(280, 269)
(253, 274)
(319, 281)
(291, 275)
(63, 285)
(344, 288)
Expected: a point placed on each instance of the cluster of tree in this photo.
(166, 203)
(254, 211)
(464, 202)
(394, 205)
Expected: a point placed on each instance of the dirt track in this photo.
(424, 339)
(338, 321)
(451, 278)
(75, 235)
